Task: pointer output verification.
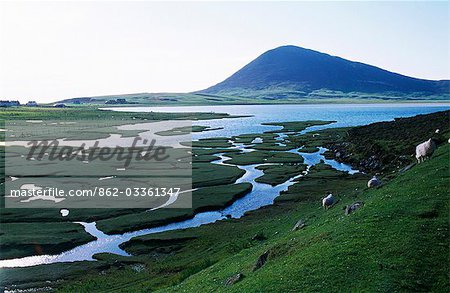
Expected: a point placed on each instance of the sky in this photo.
(59, 49)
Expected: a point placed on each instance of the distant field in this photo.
(93, 113)
(239, 97)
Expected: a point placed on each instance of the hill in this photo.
(297, 70)
(291, 74)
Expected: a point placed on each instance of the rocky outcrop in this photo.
(374, 182)
(234, 279)
(259, 237)
(353, 207)
(262, 259)
(299, 225)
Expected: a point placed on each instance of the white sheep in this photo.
(328, 201)
(374, 182)
(425, 150)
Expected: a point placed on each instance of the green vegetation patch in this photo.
(249, 138)
(277, 174)
(218, 197)
(23, 239)
(186, 130)
(258, 157)
(206, 174)
(309, 149)
(273, 147)
(205, 199)
(217, 142)
(93, 113)
(321, 179)
(297, 126)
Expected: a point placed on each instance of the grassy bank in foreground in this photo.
(396, 242)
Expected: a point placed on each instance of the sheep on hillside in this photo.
(328, 201)
(425, 150)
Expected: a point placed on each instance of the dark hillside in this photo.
(298, 68)
(389, 145)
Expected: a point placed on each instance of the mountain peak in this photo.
(306, 70)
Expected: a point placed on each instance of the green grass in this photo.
(258, 157)
(186, 130)
(248, 138)
(277, 174)
(24, 239)
(217, 142)
(218, 197)
(310, 149)
(204, 199)
(275, 95)
(206, 174)
(297, 126)
(171, 257)
(397, 242)
(92, 113)
(56, 234)
(87, 122)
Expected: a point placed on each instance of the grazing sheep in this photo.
(328, 201)
(374, 182)
(425, 150)
(437, 131)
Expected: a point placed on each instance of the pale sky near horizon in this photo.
(55, 50)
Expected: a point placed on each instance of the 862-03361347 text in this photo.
(97, 191)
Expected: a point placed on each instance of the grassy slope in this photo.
(397, 242)
(171, 257)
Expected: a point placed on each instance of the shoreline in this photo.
(303, 102)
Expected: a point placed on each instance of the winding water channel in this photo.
(261, 195)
